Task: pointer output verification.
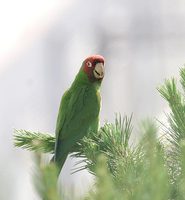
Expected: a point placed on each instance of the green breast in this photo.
(92, 101)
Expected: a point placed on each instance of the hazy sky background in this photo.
(42, 45)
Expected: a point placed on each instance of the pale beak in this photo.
(99, 71)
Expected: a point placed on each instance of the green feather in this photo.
(78, 114)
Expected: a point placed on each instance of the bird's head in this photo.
(93, 66)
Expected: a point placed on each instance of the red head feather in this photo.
(93, 66)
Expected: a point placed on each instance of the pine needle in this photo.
(34, 141)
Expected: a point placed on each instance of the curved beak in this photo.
(99, 71)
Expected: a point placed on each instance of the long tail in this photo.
(59, 162)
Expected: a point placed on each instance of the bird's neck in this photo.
(82, 80)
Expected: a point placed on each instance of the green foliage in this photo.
(151, 169)
(46, 180)
(175, 130)
(104, 182)
(176, 117)
(112, 139)
(34, 141)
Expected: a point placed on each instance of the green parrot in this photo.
(79, 108)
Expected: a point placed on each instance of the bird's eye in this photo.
(89, 64)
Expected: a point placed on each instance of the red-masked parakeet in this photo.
(79, 108)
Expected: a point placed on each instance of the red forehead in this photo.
(95, 57)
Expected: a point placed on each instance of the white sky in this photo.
(22, 21)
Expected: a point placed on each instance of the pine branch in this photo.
(151, 173)
(34, 141)
(135, 172)
(104, 183)
(175, 131)
(45, 180)
(176, 103)
(112, 139)
(182, 78)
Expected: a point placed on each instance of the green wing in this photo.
(62, 112)
(78, 113)
(70, 112)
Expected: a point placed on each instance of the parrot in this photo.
(79, 109)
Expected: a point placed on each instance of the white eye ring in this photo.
(89, 64)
